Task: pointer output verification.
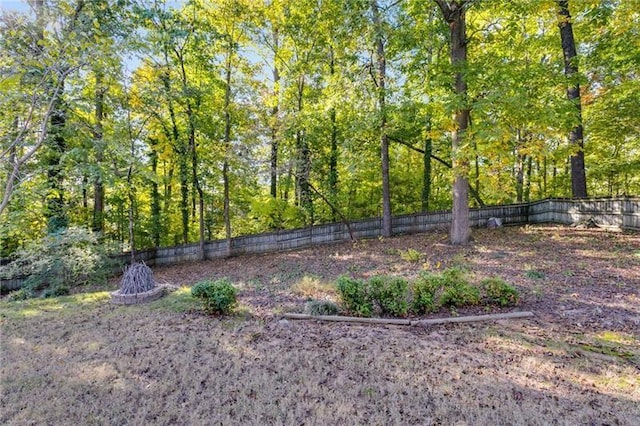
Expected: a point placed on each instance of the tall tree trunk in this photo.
(227, 148)
(333, 155)
(382, 121)
(426, 173)
(180, 150)
(576, 137)
(194, 160)
(98, 136)
(527, 187)
(303, 166)
(55, 146)
(454, 14)
(156, 223)
(274, 117)
(518, 167)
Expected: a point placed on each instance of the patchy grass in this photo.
(81, 360)
(313, 287)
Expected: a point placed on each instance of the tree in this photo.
(454, 14)
(576, 138)
(381, 75)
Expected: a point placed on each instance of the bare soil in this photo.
(82, 360)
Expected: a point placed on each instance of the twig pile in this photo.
(138, 278)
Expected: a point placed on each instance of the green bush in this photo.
(23, 294)
(424, 291)
(59, 261)
(499, 292)
(390, 294)
(219, 297)
(456, 289)
(459, 295)
(355, 296)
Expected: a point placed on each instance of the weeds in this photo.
(411, 255)
(535, 274)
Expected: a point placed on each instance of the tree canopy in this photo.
(157, 123)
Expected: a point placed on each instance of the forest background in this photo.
(158, 123)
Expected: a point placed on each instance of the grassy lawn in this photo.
(81, 360)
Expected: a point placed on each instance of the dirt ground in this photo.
(81, 360)
(576, 278)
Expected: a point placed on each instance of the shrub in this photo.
(390, 294)
(322, 307)
(64, 259)
(456, 289)
(355, 296)
(499, 292)
(23, 294)
(219, 297)
(459, 294)
(55, 291)
(424, 291)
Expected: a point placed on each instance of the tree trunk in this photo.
(527, 188)
(56, 146)
(274, 117)
(180, 151)
(156, 223)
(454, 15)
(98, 136)
(333, 155)
(426, 174)
(576, 137)
(303, 160)
(194, 160)
(227, 147)
(382, 121)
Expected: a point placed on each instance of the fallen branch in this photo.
(337, 318)
(395, 321)
(472, 318)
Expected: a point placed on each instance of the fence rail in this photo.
(621, 213)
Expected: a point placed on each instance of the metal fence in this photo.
(621, 213)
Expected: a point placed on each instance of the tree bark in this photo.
(576, 136)
(274, 117)
(381, 66)
(56, 146)
(227, 148)
(333, 155)
(454, 15)
(98, 136)
(156, 224)
(426, 173)
(303, 169)
(194, 158)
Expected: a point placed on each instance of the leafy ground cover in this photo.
(81, 360)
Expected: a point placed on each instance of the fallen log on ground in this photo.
(397, 321)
